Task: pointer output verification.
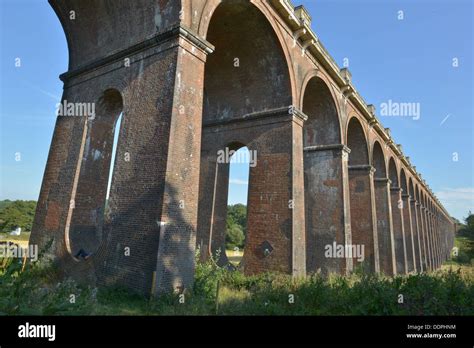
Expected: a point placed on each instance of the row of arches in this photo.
(322, 179)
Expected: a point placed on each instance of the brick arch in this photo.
(417, 192)
(393, 172)
(378, 160)
(248, 71)
(323, 125)
(407, 221)
(323, 173)
(86, 216)
(403, 181)
(356, 140)
(411, 187)
(310, 76)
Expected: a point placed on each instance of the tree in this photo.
(237, 214)
(470, 221)
(17, 214)
(234, 237)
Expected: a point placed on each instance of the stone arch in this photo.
(86, 226)
(357, 142)
(248, 71)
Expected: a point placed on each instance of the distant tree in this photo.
(237, 213)
(17, 214)
(470, 221)
(234, 237)
(236, 226)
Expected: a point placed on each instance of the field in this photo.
(234, 256)
(21, 240)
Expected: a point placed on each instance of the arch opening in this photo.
(246, 75)
(393, 173)
(378, 161)
(247, 72)
(357, 142)
(85, 232)
(237, 201)
(364, 236)
(323, 177)
(322, 126)
(382, 207)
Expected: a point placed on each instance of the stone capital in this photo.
(396, 189)
(362, 167)
(331, 147)
(383, 180)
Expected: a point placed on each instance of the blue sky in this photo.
(409, 60)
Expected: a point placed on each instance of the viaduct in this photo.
(189, 78)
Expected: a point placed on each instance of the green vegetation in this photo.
(16, 213)
(464, 241)
(38, 290)
(236, 226)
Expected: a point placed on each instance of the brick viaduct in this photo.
(190, 77)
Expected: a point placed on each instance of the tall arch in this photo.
(325, 212)
(422, 227)
(429, 246)
(383, 211)
(362, 200)
(86, 227)
(415, 226)
(247, 94)
(397, 217)
(248, 71)
(407, 224)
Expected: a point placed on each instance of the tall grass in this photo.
(39, 289)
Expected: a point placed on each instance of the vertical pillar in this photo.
(423, 241)
(385, 226)
(398, 230)
(416, 235)
(438, 241)
(428, 238)
(410, 248)
(363, 215)
(327, 206)
(179, 209)
(276, 221)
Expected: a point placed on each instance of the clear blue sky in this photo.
(407, 60)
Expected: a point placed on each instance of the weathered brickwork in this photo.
(190, 78)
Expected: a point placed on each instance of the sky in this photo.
(413, 51)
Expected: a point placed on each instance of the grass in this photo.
(22, 239)
(234, 257)
(450, 291)
(39, 289)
